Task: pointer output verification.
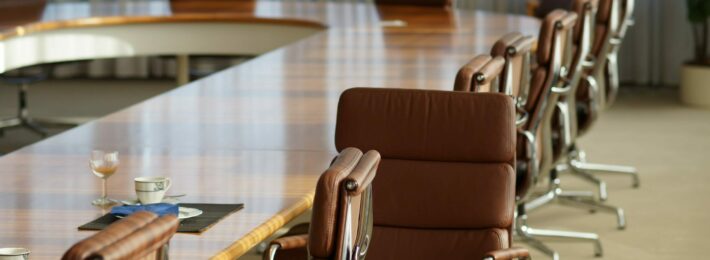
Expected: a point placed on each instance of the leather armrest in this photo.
(363, 174)
(143, 242)
(524, 44)
(110, 235)
(291, 242)
(508, 253)
(489, 71)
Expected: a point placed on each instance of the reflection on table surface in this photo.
(259, 133)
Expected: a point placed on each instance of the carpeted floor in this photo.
(647, 128)
(670, 145)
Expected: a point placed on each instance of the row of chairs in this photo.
(574, 79)
(557, 103)
(454, 170)
(425, 206)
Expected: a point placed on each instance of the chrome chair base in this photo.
(607, 168)
(36, 125)
(579, 199)
(529, 236)
(23, 122)
(603, 194)
(578, 166)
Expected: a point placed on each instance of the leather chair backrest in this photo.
(341, 222)
(580, 7)
(445, 186)
(552, 45)
(607, 22)
(147, 243)
(609, 34)
(516, 50)
(566, 121)
(554, 56)
(612, 21)
(562, 53)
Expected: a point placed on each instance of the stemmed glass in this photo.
(103, 164)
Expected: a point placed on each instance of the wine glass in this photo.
(103, 164)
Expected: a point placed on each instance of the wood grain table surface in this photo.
(259, 133)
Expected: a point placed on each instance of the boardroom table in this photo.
(259, 133)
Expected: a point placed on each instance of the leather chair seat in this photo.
(408, 243)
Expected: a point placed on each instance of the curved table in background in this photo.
(259, 133)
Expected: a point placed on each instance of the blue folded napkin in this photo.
(158, 208)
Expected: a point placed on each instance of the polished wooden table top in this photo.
(258, 133)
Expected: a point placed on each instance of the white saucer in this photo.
(184, 213)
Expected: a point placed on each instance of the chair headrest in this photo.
(428, 125)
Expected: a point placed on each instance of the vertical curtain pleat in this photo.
(658, 44)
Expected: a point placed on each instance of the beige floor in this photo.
(669, 143)
(667, 216)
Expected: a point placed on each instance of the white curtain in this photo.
(658, 44)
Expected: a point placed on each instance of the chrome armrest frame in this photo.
(163, 252)
(522, 117)
(354, 245)
(524, 91)
(271, 255)
(549, 100)
(525, 78)
(355, 248)
(534, 164)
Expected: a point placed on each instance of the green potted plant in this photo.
(695, 74)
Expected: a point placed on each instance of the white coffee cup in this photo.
(14, 253)
(151, 189)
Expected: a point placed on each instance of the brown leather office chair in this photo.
(514, 79)
(565, 65)
(598, 90)
(141, 235)
(488, 74)
(613, 20)
(565, 117)
(516, 50)
(565, 124)
(561, 56)
(613, 17)
(341, 224)
(445, 186)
